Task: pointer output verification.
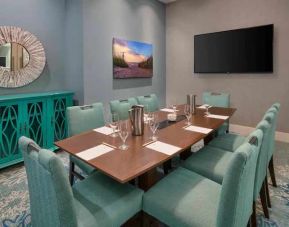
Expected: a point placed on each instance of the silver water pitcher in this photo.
(136, 115)
(191, 101)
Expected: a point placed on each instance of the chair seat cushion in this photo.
(82, 165)
(183, 198)
(210, 162)
(228, 141)
(100, 199)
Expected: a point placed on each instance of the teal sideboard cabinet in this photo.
(39, 116)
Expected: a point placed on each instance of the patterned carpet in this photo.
(14, 197)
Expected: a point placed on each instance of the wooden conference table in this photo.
(138, 160)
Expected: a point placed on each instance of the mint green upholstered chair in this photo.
(213, 163)
(218, 100)
(232, 141)
(81, 119)
(229, 141)
(185, 198)
(121, 107)
(95, 201)
(151, 101)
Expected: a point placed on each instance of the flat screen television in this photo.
(3, 61)
(246, 50)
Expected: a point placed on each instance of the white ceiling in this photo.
(167, 1)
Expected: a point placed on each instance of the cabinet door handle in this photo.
(52, 121)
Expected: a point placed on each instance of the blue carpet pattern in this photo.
(14, 196)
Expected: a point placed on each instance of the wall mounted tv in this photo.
(246, 50)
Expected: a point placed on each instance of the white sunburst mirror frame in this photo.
(35, 66)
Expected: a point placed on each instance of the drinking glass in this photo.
(146, 113)
(154, 124)
(123, 134)
(173, 104)
(188, 114)
(113, 121)
(207, 110)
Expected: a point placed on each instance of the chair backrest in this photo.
(84, 118)
(149, 101)
(276, 105)
(121, 107)
(51, 198)
(272, 113)
(216, 99)
(235, 205)
(261, 168)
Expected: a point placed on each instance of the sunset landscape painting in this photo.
(132, 59)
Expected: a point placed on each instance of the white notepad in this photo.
(94, 152)
(218, 116)
(163, 147)
(199, 129)
(204, 106)
(168, 110)
(104, 130)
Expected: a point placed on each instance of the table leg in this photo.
(208, 138)
(185, 154)
(167, 166)
(148, 179)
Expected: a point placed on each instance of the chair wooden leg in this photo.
(71, 170)
(267, 192)
(150, 221)
(264, 200)
(272, 172)
(249, 223)
(136, 221)
(253, 218)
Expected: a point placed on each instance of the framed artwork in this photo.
(132, 59)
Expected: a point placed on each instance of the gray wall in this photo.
(141, 20)
(74, 48)
(45, 19)
(77, 37)
(251, 94)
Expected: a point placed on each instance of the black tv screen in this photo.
(247, 50)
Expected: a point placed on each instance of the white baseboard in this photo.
(245, 130)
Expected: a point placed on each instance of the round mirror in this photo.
(13, 57)
(22, 57)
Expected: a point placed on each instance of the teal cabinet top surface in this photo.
(33, 95)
